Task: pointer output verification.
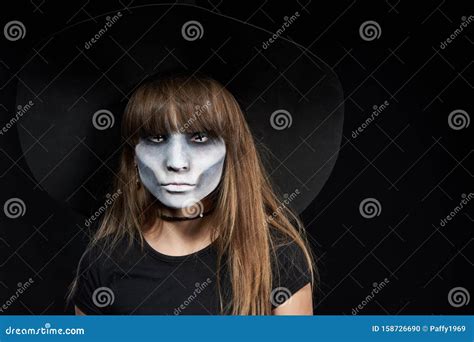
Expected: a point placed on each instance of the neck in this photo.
(179, 237)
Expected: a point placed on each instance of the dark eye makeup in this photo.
(199, 137)
(196, 137)
(156, 138)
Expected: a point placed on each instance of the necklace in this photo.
(184, 218)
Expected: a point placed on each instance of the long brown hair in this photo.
(244, 200)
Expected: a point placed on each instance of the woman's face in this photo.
(180, 169)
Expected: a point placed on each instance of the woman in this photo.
(196, 227)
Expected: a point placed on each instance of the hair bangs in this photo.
(178, 105)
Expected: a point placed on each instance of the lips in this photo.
(178, 187)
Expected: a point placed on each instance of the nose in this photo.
(177, 157)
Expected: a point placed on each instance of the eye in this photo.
(199, 137)
(157, 138)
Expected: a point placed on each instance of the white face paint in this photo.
(180, 169)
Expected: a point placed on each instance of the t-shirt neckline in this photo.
(177, 258)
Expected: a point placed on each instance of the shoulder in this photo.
(288, 254)
(105, 254)
(285, 247)
(291, 269)
(96, 270)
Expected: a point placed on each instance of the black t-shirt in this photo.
(145, 282)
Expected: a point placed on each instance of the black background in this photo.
(409, 158)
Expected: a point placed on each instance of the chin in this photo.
(178, 200)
